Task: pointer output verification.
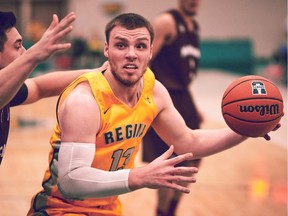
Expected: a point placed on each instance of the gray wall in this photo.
(263, 21)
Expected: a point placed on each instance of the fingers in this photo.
(174, 160)
(180, 158)
(66, 21)
(174, 180)
(277, 127)
(61, 34)
(267, 137)
(64, 27)
(188, 171)
(163, 172)
(62, 46)
(166, 154)
(54, 22)
(180, 188)
(182, 174)
(58, 30)
(174, 175)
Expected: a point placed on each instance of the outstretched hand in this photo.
(50, 41)
(162, 173)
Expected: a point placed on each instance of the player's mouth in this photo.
(130, 67)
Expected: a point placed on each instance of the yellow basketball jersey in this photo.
(117, 143)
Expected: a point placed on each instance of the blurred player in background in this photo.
(16, 64)
(175, 62)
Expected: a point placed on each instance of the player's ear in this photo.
(1, 54)
(106, 49)
(151, 52)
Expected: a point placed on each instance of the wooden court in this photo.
(247, 180)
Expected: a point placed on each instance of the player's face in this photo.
(128, 52)
(13, 48)
(189, 7)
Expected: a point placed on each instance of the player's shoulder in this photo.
(161, 96)
(165, 26)
(165, 17)
(160, 90)
(80, 94)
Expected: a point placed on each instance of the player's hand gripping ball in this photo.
(252, 106)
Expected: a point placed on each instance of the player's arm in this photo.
(79, 119)
(53, 83)
(165, 31)
(14, 74)
(171, 127)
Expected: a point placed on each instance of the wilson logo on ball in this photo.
(272, 109)
(258, 88)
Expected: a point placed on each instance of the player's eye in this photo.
(141, 46)
(120, 45)
(18, 45)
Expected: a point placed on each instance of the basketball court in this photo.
(247, 180)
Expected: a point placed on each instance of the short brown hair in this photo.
(7, 21)
(129, 21)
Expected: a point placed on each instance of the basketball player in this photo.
(16, 64)
(102, 118)
(175, 61)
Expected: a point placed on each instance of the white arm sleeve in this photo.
(78, 180)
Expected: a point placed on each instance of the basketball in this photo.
(252, 106)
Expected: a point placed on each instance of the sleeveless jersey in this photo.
(176, 63)
(117, 142)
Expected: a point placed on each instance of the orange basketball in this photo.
(252, 106)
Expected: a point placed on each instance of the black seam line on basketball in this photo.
(234, 87)
(261, 79)
(258, 121)
(244, 99)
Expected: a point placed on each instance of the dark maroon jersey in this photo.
(19, 98)
(177, 63)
